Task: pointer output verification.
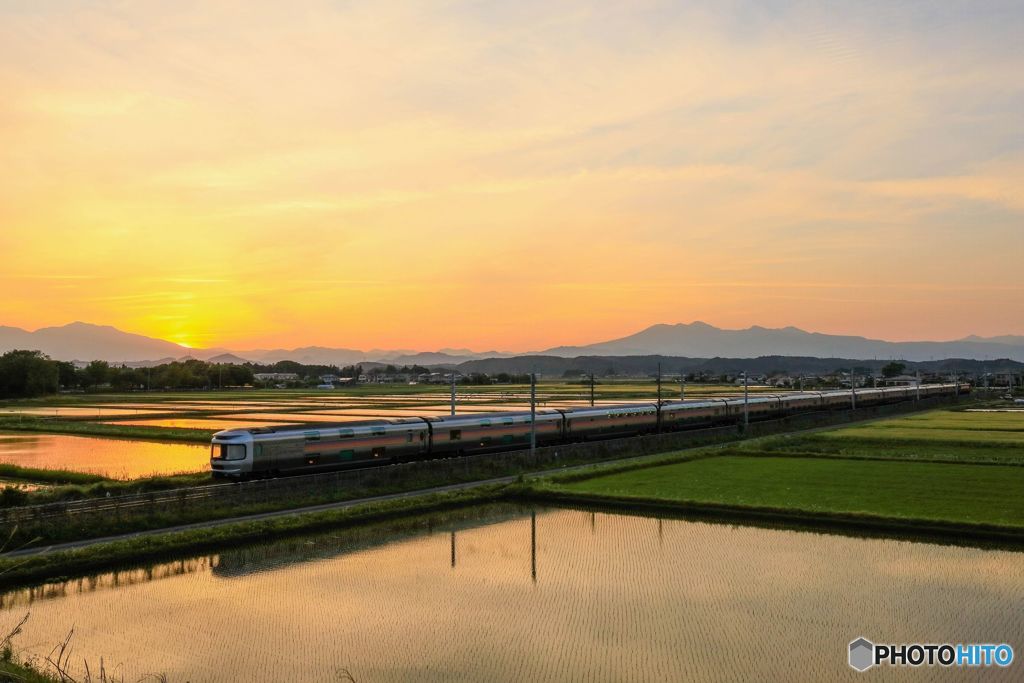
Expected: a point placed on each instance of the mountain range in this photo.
(700, 340)
(83, 341)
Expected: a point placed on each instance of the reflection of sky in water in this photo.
(198, 423)
(73, 411)
(280, 418)
(120, 458)
(615, 598)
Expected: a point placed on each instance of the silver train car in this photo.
(270, 451)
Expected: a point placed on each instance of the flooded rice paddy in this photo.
(502, 593)
(75, 411)
(117, 458)
(206, 423)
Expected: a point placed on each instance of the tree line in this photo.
(27, 374)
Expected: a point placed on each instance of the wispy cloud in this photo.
(229, 170)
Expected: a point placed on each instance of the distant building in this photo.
(900, 381)
(275, 376)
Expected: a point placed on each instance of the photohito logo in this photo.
(864, 654)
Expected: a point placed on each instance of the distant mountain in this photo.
(700, 340)
(1011, 339)
(636, 365)
(82, 341)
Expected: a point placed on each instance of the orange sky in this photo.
(510, 176)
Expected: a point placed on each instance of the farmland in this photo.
(943, 466)
(193, 417)
(959, 436)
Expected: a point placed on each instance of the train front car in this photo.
(231, 453)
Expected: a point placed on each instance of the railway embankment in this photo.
(107, 509)
(211, 512)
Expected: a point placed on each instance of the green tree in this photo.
(67, 376)
(24, 374)
(893, 369)
(95, 373)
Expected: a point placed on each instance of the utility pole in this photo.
(682, 386)
(533, 412)
(659, 397)
(453, 392)
(853, 391)
(918, 397)
(659, 385)
(801, 383)
(591, 390)
(746, 400)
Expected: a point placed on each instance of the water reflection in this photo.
(119, 458)
(502, 593)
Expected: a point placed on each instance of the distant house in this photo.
(900, 381)
(275, 376)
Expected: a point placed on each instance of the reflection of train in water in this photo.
(319, 447)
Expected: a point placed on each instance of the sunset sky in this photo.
(510, 175)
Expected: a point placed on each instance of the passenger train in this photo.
(269, 451)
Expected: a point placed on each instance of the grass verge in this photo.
(148, 548)
(84, 428)
(14, 672)
(40, 475)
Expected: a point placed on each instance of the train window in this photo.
(312, 436)
(346, 455)
(485, 423)
(455, 435)
(377, 431)
(220, 451)
(506, 420)
(408, 437)
(258, 449)
(346, 433)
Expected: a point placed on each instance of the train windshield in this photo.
(223, 451)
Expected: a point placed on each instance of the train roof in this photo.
(476, 417)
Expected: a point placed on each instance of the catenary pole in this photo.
(746, 400)
(453, 392)
(533, 412)
(659, 397)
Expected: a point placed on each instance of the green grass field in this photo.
(872, 469)
(904, 490)
(935, 435)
